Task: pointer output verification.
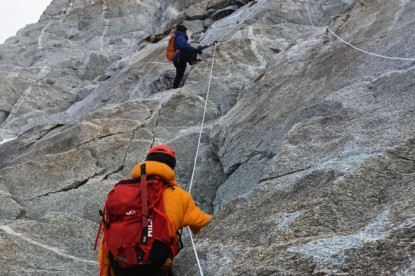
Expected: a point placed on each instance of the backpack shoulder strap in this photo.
(129, 181)
(144, 206)
(138, 180)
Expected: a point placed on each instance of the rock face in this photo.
(307, 155)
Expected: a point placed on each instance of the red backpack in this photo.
(170, 52)
(136, 228)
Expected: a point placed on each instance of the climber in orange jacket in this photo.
(180, 207)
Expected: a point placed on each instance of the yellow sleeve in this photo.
(193, 216)
(103, 261)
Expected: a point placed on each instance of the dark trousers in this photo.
(180, 63)
(140, 270)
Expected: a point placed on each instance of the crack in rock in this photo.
(74, 186)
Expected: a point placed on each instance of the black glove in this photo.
(199, 51)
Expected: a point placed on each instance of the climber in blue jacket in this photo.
(186, 54)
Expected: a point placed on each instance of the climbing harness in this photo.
(351, 45)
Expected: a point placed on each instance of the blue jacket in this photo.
(181, 43)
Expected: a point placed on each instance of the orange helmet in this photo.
(162, 153)
(162, 149)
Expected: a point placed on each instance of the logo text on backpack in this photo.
(150, 227)
(130, 213)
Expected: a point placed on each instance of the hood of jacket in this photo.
(179, 33)
(155, 168)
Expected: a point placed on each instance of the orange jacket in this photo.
(179, 204)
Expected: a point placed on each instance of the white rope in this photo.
(207, 98)
(197, 153)
(207, 95)
(194, 249)
(309, 16)
(351, 45)
(203, 121)
(201, 129)
(242, 21)
(369, 53)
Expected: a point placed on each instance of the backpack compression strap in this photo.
(144, 206)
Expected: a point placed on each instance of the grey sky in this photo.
(15, 14)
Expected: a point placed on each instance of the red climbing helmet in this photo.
(162, 149)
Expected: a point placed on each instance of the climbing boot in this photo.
(195, 62)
